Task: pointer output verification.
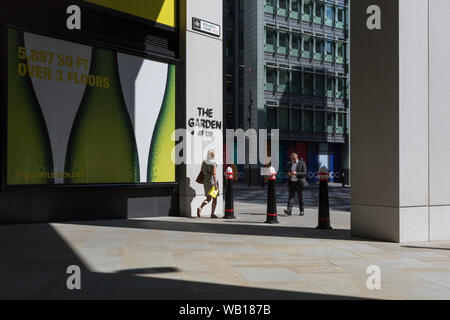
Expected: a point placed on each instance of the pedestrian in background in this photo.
(296, 172)
(208, 171)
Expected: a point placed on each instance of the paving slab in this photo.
(202, 258)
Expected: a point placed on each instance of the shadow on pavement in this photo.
(432, 248)
(228, 228)
(35, 259)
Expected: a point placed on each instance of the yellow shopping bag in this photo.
(213, 192)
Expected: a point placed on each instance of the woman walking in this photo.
(209, 167)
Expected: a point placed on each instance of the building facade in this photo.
(286, 67)
(91, 95)
(405, 195)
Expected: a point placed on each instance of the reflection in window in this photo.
(329, 48)
(330, 13)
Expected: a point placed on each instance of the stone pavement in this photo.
(180, 258)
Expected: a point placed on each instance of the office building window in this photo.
(270, 79)
(329, 48)
(329, 51)
(270, 40)
(306, 10)
(319, 46)
(283, 81)
(295, 44)
(329, 16)
(318, 13)
(307, 46)
(340, 92)
(284, 118)
(319, 122)
(269, 6)
(296, 82)
(330, 122)
(318, 49)
(340, 19)
(271, 117)
(330, 87)
(282, 7)
(340, 52)
(308, 84)
(282, 42)
(340, 123)
(308, 121)
(295, 9)
(296, 118)
(319, 92)
(340, 15)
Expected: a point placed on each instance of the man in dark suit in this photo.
(296, 172)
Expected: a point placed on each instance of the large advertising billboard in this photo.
(160, 11)
(78, 114)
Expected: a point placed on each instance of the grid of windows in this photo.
(296, 44)
(317, 12)
(305, 86)
(305, 119)
(322, 42)
(280, 80)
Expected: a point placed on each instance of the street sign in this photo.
(206, 27)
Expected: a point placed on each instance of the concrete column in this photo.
(200, 85)
(399, 121)
(439, 118)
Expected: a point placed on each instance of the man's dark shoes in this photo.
(302, 213)
(288, 213)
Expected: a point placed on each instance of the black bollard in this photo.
(272, 216)
(229, 198)
(324, 206)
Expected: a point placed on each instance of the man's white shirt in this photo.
(293, 169)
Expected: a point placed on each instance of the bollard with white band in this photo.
(272, 216)
(229, 197)
(324, 206)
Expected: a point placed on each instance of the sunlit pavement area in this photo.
(201, 258)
